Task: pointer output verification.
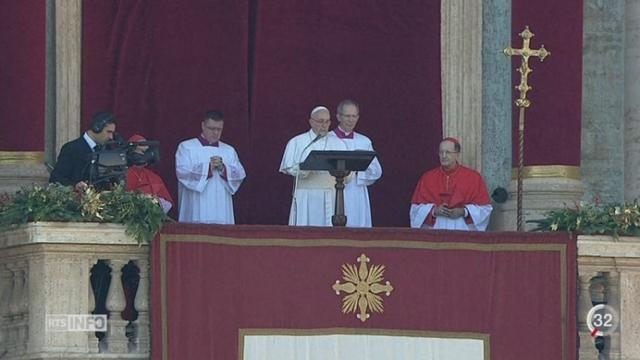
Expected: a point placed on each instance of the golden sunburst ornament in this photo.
(362, 286)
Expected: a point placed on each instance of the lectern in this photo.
(339, 164)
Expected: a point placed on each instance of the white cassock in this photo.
(479, 213)
(314, 191)
(357, 207)
(202, 199)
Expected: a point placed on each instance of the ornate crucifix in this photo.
(522, 102)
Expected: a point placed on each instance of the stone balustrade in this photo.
(46, 271)
(609, 273)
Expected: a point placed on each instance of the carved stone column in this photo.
(632, 101)
(142, 306)
(61, 279)
(116, 335)
(6, 284)
(461, 59)
(18, 310)
(497, 100)
(11, 313)
(603, 80)
(629, 309)
(584, 299)
(587, 350)
(68, 55)
(612, 295)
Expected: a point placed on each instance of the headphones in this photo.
(100, 120)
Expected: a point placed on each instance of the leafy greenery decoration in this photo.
(140, 213)
(588, 219)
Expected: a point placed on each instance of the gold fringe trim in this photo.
(21, 157)
(548, 171)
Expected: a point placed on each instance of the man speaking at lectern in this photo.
(313, 191)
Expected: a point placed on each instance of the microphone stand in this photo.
(295, 184)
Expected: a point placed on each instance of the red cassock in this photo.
(456, 188)
(145, 180)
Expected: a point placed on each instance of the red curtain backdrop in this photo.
(22, 74)
(159, 64)
(519, 288)
(553, 122)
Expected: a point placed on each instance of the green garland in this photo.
(588, 219)
(140, 213)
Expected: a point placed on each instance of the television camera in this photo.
(108, 164)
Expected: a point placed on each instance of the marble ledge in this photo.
(73, 233)
(608, 246)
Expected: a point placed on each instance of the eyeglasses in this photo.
(321, 121)
(349, 116)
(447, 153)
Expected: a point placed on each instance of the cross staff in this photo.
(522, 102)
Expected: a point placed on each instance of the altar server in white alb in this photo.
(314, 191)
(209, 172)
(357, 207)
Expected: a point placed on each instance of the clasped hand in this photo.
(216, 163)
(446, 211)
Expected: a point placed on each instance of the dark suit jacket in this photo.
(73, 163)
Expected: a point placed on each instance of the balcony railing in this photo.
(609, 273)
(50, 269)
(50, 272)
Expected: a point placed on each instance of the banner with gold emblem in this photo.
(276, 292)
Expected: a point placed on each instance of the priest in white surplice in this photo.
(356, 196)
(314, 191)
(209, 172)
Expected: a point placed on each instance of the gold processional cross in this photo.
(522, 102)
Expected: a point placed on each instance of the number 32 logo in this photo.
(602, 320)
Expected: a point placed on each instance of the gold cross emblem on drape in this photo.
(362, 286)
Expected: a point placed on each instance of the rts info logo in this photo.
(77, 322)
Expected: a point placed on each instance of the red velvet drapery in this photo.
(159, 64)
(553, 122)
(22, 75)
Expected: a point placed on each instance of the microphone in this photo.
(320, 136)
(297, 175)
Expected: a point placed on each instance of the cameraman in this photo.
(74, 161)
(141, 178)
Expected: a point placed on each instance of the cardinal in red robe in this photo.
(450, 196)
(141, 178)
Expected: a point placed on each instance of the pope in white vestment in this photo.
(357, 207)
(314, 191)
(209, 173)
